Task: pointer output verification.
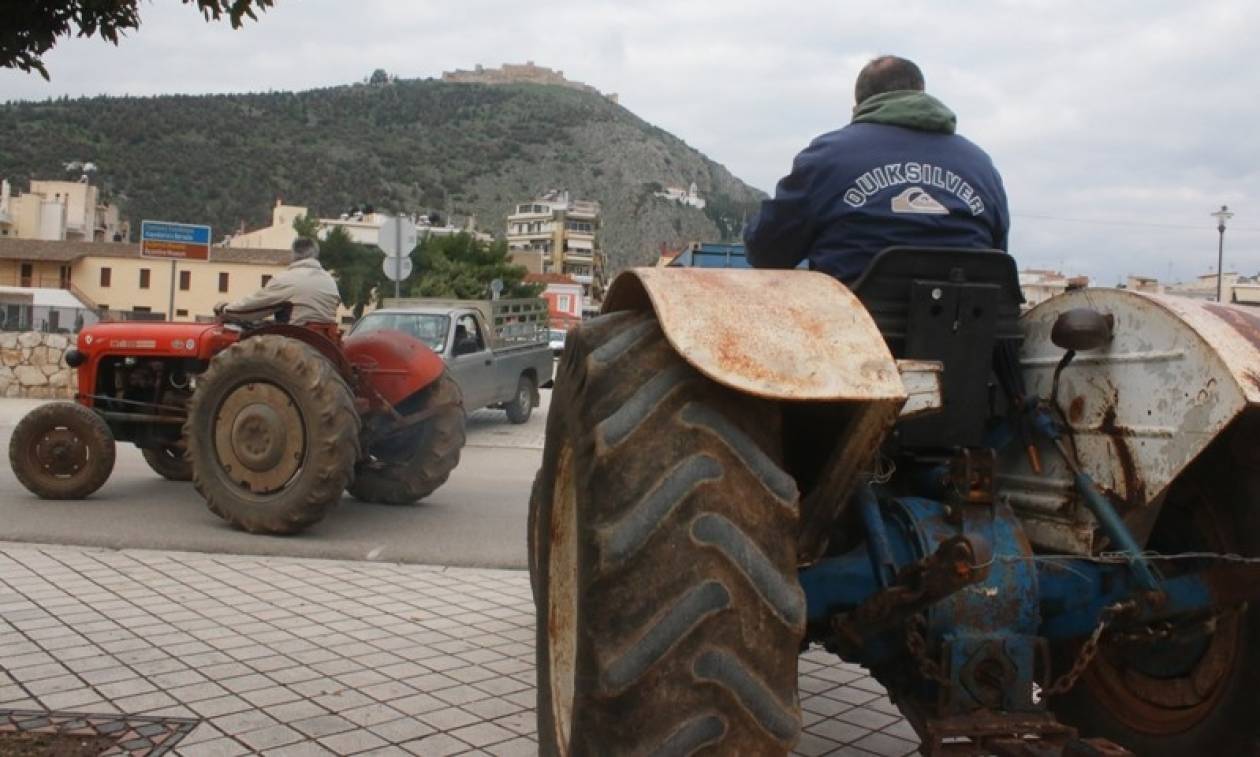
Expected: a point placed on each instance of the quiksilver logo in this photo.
(917, 200)
(878, 179)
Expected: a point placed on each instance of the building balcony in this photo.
(579, 256)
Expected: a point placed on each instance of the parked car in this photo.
(556, 338)
(497, 350)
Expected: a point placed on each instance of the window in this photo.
(185, 281)
(562, 303)
(105, 274)
(266, 279)
(144, 278)
(27, 273)
(141, 309)
(181, 313)
(223, 282)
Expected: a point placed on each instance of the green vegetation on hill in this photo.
(417, 145)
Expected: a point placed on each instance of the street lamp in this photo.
(1221, 216)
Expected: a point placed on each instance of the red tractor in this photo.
(270, 422)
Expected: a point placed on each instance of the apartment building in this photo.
(556, 234)
(60, 211)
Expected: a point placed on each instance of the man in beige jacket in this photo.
(304, 285)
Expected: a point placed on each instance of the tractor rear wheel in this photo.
(272, 434)
(663, 561)
(169, 462)
(1194, 691)
(62, 450)
(408, 467)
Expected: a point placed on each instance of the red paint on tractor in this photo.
(395, 364)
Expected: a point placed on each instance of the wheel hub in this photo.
(60, 452)
(259, 437)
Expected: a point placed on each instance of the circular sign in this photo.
(396, 269)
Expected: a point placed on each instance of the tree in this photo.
(31, 27)
(306, 226)
(379, 76)
(356, 267)
(461, 266)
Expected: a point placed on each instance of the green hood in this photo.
(907, 107)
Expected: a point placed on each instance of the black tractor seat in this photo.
(954, 306)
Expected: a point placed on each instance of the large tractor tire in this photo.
(662, 540)
(62, 450)
(409, 467)
(1166, 697)
(272, 434)
(169, 462)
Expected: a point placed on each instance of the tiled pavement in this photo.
(311, 657)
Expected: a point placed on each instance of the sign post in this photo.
(163, 240)
(397, 239)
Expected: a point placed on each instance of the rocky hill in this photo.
(415, 145)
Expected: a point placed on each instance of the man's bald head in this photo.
(887, 73)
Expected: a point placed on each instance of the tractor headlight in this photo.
(74, 358)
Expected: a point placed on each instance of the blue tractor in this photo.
(1038, 530)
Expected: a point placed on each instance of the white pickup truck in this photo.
(497, 350)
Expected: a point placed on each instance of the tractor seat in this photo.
(954, 306)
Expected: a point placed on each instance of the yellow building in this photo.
(59, 210)
(114, 277)
(555, 234)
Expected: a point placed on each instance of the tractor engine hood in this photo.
(159, 338)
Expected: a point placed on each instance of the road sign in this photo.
(174, 241)
(397, 237)
(397, 269)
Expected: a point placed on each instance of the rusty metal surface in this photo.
(1140, 409)
(788, 335)
(922, 380)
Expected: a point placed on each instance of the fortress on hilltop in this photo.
(513, 73)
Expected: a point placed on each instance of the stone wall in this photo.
(31, 365)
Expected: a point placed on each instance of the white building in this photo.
(364, 228)
(1039, 285)
(690, 196)
(59, 211)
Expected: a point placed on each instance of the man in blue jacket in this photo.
(896, 175)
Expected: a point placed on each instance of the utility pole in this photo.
(1221, 216)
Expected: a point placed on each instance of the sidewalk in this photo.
(192, 654)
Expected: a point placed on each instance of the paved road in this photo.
(477, 519)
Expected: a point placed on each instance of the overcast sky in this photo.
(1118, 126)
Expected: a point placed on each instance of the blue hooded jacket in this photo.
(897, 175)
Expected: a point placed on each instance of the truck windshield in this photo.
(430, 329)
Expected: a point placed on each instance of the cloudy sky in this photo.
(1118, 126)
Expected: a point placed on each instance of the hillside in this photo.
(417, 145)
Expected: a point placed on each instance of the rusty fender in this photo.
(786, 335)
(1140, 409)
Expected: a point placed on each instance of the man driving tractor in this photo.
(896, 175)
(304, 285)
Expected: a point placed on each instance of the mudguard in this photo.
(395, 364)
(1176, 373)
(786, 335)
